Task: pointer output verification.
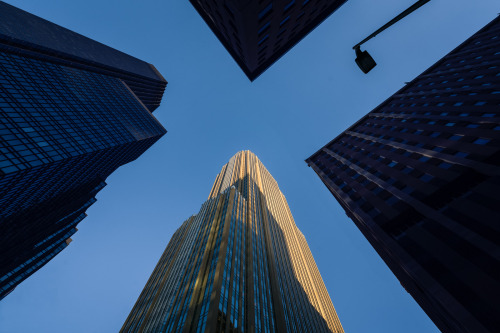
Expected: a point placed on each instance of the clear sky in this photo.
(211, 111)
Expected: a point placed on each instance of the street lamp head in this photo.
(364, 60)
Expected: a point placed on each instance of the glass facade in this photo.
(419, 175)
(258, 33)
(239, 265)
(63, 130)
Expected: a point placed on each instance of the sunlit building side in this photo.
(239, 265)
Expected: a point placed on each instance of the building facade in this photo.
(72, 111)
(419, 176)
(239, 265)
(258, 33)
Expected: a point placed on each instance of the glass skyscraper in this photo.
(239, 265)
(258, 33)
(72, 111)
(420, 177)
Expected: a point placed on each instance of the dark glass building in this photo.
(258, 33)
(239, 265)
(420, 177)
(72, 111)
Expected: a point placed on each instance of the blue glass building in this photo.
(420, 177)
(72, 111)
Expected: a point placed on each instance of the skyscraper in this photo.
(239, 265)
(72, 111)
(258, 33)
(419, 176)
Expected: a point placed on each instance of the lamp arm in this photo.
(402, 15)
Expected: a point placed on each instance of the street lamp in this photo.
(363, 58)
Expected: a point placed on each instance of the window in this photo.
(444, 165)
(407, 170)
(290, 4)
(285, 20)
(481, 141)
(265, 11)
(264, 27)
(373, 212)
(408, 189)
(455, 137)
(426, 177)
(392, 200)
(263, 39)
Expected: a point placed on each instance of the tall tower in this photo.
(258, 33)
(239, 265)
(72, 111)
(420, 176)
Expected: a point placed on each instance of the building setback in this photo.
(419, 176)
(239, 265)
(258, 33)
(72, 111)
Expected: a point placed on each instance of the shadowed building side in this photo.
(237, 266)
(420, 176)
(258, 33)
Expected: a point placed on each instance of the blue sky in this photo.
(212, 111)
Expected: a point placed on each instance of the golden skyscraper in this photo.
(239, 265)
